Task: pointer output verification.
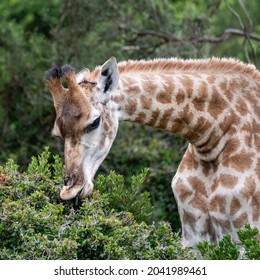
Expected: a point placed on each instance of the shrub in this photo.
(248, 246)
(114, 223)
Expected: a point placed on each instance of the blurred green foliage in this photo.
(35, 34)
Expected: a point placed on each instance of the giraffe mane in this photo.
(173, 65)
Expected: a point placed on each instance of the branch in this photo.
(233, 12)
(246, 13)
(247, 28)
(209, 39)
(226, 35)
(166, 37)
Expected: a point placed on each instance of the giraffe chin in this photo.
(81, 191)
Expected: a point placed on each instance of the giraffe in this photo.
(213, 103)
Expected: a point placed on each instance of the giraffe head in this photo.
(84, 122)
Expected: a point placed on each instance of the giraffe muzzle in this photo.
(78, 190)
(69, 192)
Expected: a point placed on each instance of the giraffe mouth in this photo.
(69, 192)
(76, 191)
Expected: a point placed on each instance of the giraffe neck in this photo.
(189, 104)
(204, 101)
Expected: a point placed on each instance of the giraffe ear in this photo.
(82, 75)
(108, 79)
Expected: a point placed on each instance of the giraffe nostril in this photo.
(69, 179)
(66, 181)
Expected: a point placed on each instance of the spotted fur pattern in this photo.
(215, 105)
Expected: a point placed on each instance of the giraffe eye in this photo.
(93, 125)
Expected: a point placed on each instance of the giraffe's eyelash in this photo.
(93, 125)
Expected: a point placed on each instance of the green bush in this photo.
(248, 246)
(114, 223)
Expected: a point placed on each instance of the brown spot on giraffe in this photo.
(224, 180)
(255, 132)
(244, 82)
(180, 97)
(217, 103)
(234, 206)
(188, 218)
(224, 85)
(241, 220)
(190, 135)
(177, 126)
(166, 117)
(199, 105)
(234, 85)
(209, 230)
(247, 134)
(164, 97)
(248, 140)
(197, 185)
(249, 189)
(255, 204)
(118, 98)
(241, 107)
(246, 127)
(202, 125)
(206, 168)
(183, 190)
(258, 168)
(131, 106)
(217, 204)
(211, 78)
(187, 83)
(231, 146)
(210, 143)
(154, 117)
(199, 200)
(228, 181)
(256, 138)
(189, 162)
(134, 89)
(146, 102)
(240, 161)
(141, 117)
(149, 86)
(106, 126)
(186, 115)
(230, 120)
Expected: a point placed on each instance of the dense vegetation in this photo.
(35, 34)
(113, 224)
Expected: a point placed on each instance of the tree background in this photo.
(35, 34)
